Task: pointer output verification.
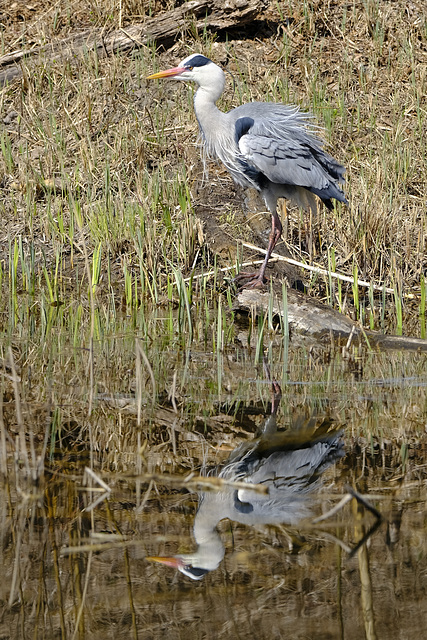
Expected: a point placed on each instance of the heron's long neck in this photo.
(210, 549)
(211, 511)
(209, 117)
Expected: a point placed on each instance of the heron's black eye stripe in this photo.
(197, 61)
(197, 572)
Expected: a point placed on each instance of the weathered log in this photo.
(308, 317)
(214, 15)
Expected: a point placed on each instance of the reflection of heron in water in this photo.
(288, 463)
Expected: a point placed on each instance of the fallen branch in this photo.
(306, 316)
(164, 29)
(320, 270)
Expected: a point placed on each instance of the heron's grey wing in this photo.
(295, 159)
(284, 161)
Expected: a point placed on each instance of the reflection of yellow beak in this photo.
(169, 73)
(170, 561)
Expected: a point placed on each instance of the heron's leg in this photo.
(308, 230)
(270, 426)
(276, 390)
(275, 233)
(258, 279)
(284, 216)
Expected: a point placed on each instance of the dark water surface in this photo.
(118, 483)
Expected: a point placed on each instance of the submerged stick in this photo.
(205, 483)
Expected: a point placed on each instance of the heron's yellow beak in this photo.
(169, 73)
(170, 561)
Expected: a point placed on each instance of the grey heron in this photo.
(288, 463)
(271, 147)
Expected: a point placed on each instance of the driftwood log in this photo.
(308, 317)
(214, 15)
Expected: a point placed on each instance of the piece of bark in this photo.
(214, 15)
(308, 317)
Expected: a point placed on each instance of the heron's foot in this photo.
(249, 280)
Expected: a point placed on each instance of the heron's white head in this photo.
(208, 555)
(199, 69)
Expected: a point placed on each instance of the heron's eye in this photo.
(190, 68)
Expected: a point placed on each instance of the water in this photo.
(75, 543)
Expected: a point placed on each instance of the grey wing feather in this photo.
(284, 162)
(279, 142)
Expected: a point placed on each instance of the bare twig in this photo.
(320, 270)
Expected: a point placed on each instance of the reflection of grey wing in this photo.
(294, 466)
(290, 476)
